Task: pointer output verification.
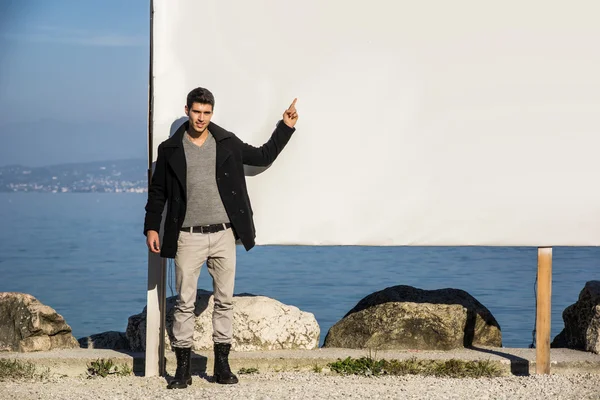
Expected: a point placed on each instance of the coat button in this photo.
(233, 192)
(176, 199)
(241, 211)
(174, 219)
(226, 174)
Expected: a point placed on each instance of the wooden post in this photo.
(544, 298)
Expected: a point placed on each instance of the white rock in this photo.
(259, 323)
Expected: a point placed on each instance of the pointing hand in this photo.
(290, 116)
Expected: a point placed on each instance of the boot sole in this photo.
(224, 382)
(180, 385)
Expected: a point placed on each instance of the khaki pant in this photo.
(218, 251)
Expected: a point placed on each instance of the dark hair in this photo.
(200, 95)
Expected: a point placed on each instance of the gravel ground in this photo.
(308, 385)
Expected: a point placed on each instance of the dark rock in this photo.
(106, 340)
(582, 321)
(404, 317)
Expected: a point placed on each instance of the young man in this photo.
(200, 172)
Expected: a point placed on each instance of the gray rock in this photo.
(259, 323)
(27, 325)
(404, 317)
(106, 340)
(582, 321)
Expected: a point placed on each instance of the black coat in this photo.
(168, 183)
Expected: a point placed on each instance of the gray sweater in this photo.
(204, 205)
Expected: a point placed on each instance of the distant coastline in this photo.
(113, 176)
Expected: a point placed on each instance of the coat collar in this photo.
(177, 139)
(177, 159)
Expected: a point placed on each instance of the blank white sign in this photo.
(421, 122)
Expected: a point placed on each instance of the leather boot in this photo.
(222, 372)
(183, 374)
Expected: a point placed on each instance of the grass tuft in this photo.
(248, 371)
(317, 368)
(368, 366)
(103, 368)
(20, 370)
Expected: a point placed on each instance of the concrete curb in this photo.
(73, 362)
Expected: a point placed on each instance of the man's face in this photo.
(199, 115)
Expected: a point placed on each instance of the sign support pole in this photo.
(156, 294)
(544, 299)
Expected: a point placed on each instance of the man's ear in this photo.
(187, 111)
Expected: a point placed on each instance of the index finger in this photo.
(293, 104)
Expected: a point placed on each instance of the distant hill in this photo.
(105, 176)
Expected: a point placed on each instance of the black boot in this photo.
(222, 372)
(183, 374)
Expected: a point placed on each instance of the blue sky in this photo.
(73, 80)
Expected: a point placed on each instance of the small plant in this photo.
(453, 368)
(363, 366)
(248, 371)
(317, 368)
(406, 367)
(17, 370)
(372, 353)
(448, 368)
(103, 368)
(479, 369)
(125, 370)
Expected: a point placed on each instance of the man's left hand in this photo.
(290, 116)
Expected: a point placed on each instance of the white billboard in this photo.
(420, 122)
